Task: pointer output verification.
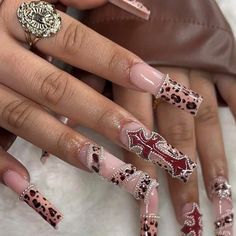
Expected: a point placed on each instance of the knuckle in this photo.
(17, 113)
(68, 143)
(55, 88)
(73, 38)
(105, 116)
(180, 134)
(207, 115)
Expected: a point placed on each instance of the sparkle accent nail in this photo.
(192, 220)
(154, 148)
(29, 194)
(180, 96)
(221, 195)
(132, 6)
(149, 225)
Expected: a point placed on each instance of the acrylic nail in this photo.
(44, 157)
(162, 86)
(149, 225)
(221, 195)
(153, 147)
(133, 6)
(192, 220)
(29, 194)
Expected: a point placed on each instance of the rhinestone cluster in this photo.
(220, 188)
(225, 221)
(39, 18)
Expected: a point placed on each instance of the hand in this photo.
(29, 84)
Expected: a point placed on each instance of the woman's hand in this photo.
(29, 84)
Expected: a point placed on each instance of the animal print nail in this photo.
(154, 148)
(149, 225)
(41, 205)
(180, 96)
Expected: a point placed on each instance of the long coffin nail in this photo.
(221, 196)
(162, 86)
(153, 147)
(149, 225)
(29, 194)
(192, 219)
(138, 183)
(134, 7)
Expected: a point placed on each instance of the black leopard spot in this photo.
(43, 208)
(95, 169)
(168, 89)
(176, 98)
(95, 157)
(44, 217)
(26, 197)
(162, 90)
(191, 105)
(52, 223)
(32, 193)
(146, 227)
(36, 203)
(52, 211)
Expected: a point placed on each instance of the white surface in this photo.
(91, 206)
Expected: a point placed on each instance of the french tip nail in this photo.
(153, 147)
(192, 220)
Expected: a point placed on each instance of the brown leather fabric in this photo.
(186, 33)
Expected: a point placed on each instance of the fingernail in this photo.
(162, 86)
(44, 157)
(192, 220)
(221, 196)
(29, 194)
(117, 172)
(149, 225)
(134, 7)
(153, 147)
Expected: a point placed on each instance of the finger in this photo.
(15, 176)
(226, 85)
(65, 95)
(178, 128)
(31, 122)
(74, 44)
(140, 105)
(6, 139)
(212, 155)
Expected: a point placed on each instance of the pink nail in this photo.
(221, 196)
(29, 194)
(192, 219)
(162, 86)
(153, 147)
(132, 6)
(149, 225)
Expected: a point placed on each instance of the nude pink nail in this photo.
(133, 6)
(162, 86)
(221, 196)
(153, 147)
(29, 194)
(192, 220)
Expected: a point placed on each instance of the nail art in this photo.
(137, 183)
(45, 156)
(162, 86)
(149, 225)
(221, 196)
(41, 205)
(29, 194)
(154, 148)
(180, 96)
(192, 220)
(133, 6)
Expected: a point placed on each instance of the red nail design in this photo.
(154, 148)
(192, 221)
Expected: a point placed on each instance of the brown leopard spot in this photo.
(32, 193)
(191, 105)
(176, 98)
(52, 211)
